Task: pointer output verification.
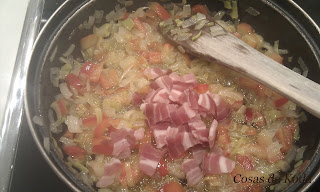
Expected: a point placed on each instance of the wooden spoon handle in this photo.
(237, 55)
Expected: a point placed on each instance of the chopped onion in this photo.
(252, 11)
(98, 14)
(69, 50)
(53, 55)
(186, 11)
(303, 117)
(55, 76)
(38, 120)
(65, 90)
(200, 17)
(128, 3)
(189, 22)
(200, 25)
(300, 152)
(119, 14)
(183, 36)
(66, 141)
(73, 124)
(276, 46)
(219, 15)
(297, 70)
(46, 144)
(283, 51)
(216, 31)
(291, 155)
(110, 16)
(303, 66)
(88, 24)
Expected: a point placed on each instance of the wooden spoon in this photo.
(237, 55)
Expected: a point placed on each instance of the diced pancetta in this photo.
(191, 169)
(190, 78)
(139, 133)
(153, 73)
(199, 129)
(192, 98)
(214, 163)
(207, 104)
(179, 143)
(212, 133)
(182, 115)
(149, 159)
(157, 112)
(222, 108)
(137, 99)
(198, 153)
(111, 170)
(158, 96)
(164, 82)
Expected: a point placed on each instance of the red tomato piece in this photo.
(237, 105)
(202, 88)
(172, 187)
(247, 83)
(249, 114)
(285, 137)
(139, 25)
(96, 72)
(90, 121)
(222, 136)
(162, 168)
(86, 68)
(102, 128)
(200, 9)
(158, 9)
(74, 81)
(62, 107)
(245, 162)
(255, 188)
(279, 102)
(74, 151)
(102, 145)
(244, 28)
(154, 57)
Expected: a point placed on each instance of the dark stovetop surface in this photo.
(31, 172)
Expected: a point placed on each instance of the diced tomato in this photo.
(263, 91)
(92, 71)
(237, 105)
(158, 9)
(244, 28)
(200, 9)
(151, 14)
(249, 114)
(86, 68)
(222, 136)
(303, 166)
(74, 151)
(109, 79)
(90, 121)
(162, 168)
(135, 174)
(125, 16)
(74, 81)
(154, 57)
(139, 25)
(68, 134)
(285, 137)
(172, 187)
(102, 145)
(251, 131)
(96, 72)
(279, 102)
(202, 88)
(62, 107)
(102, 128)
(245, 162)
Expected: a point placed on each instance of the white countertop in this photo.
(12, 14)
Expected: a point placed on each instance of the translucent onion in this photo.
(38, 120)
(110, 16)
(67, 141)
(303, 66)
(73, 124)
(55, 76)
(65, 90)
(300, 152)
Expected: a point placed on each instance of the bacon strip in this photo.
(111, 169)
(216, 164)
(149, 159)
(213, 133)
(191, 169)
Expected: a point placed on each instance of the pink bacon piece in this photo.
(191, 169)
(182, 115)
(213, 133)
(216, 164)
(199, 129)
(149, 159)
(222, 108)
(179, 143)
(111, 170)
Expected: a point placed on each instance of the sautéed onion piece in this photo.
(137, 113)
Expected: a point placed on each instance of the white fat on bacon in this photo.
(111, 170)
